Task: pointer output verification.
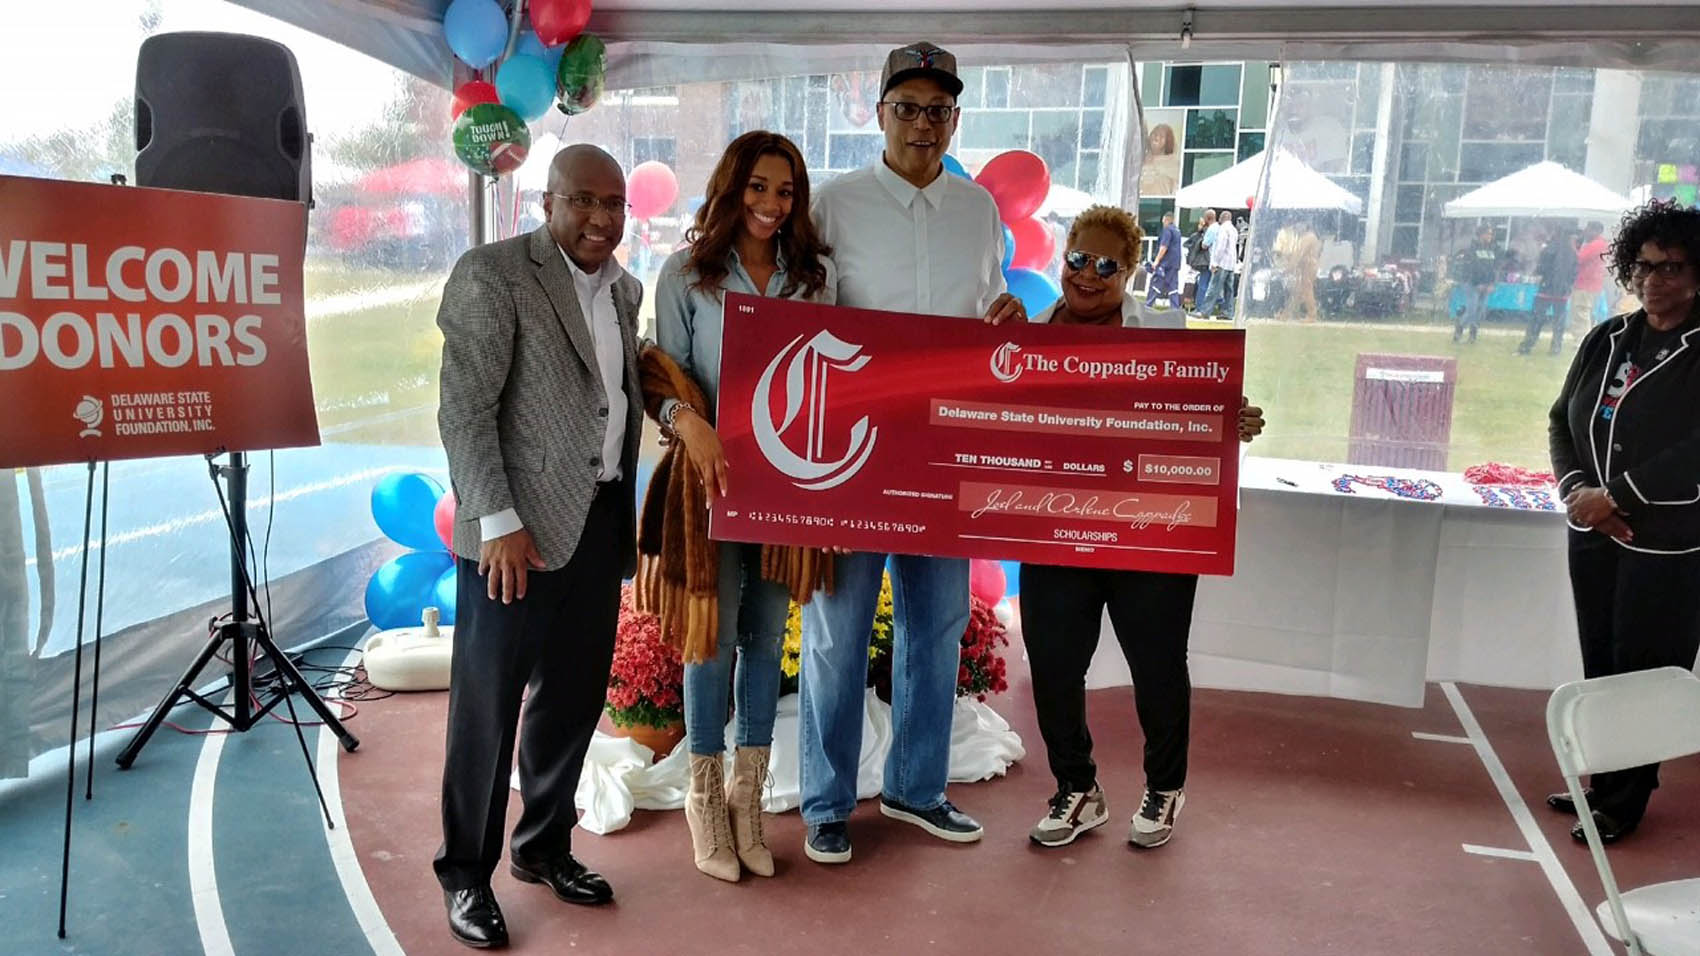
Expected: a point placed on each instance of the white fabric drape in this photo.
(618, 777)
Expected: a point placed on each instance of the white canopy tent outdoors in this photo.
(1650, 34)
(1545, 189)
(1291, 185)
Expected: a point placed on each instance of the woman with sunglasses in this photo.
(1625, 441)
(753, 235)
(1061, 607)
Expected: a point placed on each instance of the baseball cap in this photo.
(921, 59)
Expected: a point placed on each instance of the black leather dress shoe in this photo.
(474, 917)
(1611, 830)
(571, 881)
(1563, 804)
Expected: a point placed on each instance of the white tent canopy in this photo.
(1292, 185)
(1644, 34)
(1545, 189)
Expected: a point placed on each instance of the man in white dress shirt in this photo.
(906, 237)
(540, 416)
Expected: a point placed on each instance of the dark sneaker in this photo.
(1155, 822)
(1610, 829)
(828, 842)
(1072, 813)
(943, 821)
(1563, 804)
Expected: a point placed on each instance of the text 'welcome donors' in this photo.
(141, 322)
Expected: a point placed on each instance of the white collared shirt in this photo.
(596, 302)
(936, 250)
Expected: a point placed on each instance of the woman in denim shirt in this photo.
(752, 235)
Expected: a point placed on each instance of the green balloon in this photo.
(492, 139)
(581, 75)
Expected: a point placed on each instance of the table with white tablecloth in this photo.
(1364, 582)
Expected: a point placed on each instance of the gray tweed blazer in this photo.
(522, 409)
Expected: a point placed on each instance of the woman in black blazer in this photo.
(1625, 441)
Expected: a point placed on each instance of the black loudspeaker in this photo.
(221, 113)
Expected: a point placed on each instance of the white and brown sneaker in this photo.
(1155, 822)
(1072, 813)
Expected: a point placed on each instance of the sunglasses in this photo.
(1668, 269)
(1103, 265)
(907, 112)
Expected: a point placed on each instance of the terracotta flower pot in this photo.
(660, 740)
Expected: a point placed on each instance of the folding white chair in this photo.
(1613, 723)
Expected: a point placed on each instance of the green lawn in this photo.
(1302, 376)
(375, 377)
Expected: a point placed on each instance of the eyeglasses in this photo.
(907, 112)
(1668, 269)
(585, 202)
(1103, 265)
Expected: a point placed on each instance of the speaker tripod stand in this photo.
(244, 637)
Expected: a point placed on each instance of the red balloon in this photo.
(1035, 244)
(443, 518)
(1250, 202)
(651, 189)
(557, 21)
(986, 580)
(1018, 181)
(472, 93)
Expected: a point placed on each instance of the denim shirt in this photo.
(688, 320)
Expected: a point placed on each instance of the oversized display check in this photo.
(1063, 444)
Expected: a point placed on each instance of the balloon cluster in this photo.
(553, 63)
(1019, 181)
(413, 511)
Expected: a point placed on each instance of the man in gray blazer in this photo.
(540, 416)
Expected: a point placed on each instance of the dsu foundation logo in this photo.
(808, 366)
(1006, 366)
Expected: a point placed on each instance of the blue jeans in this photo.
(930, 600)
(1475, 306)
(752, 630)
(1200, 289)
(1222, 283)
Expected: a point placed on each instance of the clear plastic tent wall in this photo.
(1499, 300)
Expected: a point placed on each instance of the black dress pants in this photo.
(1634, 611)
(559, 641)
(1152, 616)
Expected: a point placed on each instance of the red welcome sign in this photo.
(143, 322)
(1090, 446)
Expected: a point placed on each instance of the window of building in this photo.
(1210, 129)
(1216, 84)
(657, 149)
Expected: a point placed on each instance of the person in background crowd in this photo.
(1062, 607)
(540, 328)
(1625, 441)
(1556, 267)
(1298, 253)
(1198, 257)
(1165, 274)
(906, 237)
(752, 235)
(1477, 271)
(1590, 277)
(1224, 242)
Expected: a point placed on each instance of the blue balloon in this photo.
(1008, 248)
(477, 31)
(1036, 290)
(526, 85)
(402, 505)
(954, 166)
(1012, 578)
(530, 45)
(400, 590)
(443, 594)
